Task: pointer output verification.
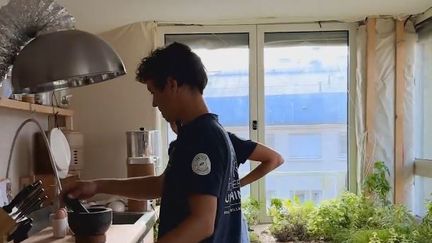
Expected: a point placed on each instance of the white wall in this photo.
(22, 159)
(105, 111)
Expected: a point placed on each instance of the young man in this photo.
(200, 188)
(268, 158)
(244, 150)
(247, 150)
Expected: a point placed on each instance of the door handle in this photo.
(254, 125)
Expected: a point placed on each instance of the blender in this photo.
(143, 156)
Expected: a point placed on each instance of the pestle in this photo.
(74, 205)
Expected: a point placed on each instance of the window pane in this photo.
(343, 145)
(226, 58)
(304, 146)
(306, 113)
(423, 105)
(316, 196)
(423, 194)
(423, 114)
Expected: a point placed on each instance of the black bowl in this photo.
(95, 222)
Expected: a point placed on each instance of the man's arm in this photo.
(147, 187)
(269, 159)
(199, 225)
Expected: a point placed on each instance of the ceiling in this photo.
(101, 15)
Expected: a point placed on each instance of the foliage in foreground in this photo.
(250, 209)
(351, 218)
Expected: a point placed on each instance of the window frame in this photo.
(256, 87)
(353, 183)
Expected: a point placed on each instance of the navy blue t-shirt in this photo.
(202, 162)
(243, 148)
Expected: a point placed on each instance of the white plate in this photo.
(62, 173)
(60, 150)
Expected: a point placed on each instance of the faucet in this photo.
(58, 187)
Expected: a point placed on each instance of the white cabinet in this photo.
(149, 237)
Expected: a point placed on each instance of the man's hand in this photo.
(81, 190)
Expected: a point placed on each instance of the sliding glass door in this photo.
(285, 86)
(306, 113)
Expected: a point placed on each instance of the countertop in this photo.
(125, 233)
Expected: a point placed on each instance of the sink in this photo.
(126, 217)
(142, 220)
(138, 220)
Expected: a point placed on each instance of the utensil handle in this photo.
(21, 196)
(74, 205)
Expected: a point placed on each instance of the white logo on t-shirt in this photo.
(201, 164)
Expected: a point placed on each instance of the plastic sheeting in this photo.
(408, 104)
(383, 129)
(360, 103)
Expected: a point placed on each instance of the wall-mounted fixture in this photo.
(51, 56)
(64, 59)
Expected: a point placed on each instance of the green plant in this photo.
(423, 233)
(370, 236)
(253, 237)
(374, 235)
(327, 220)
(335, 219)
(392, 216)
(374, 238)
(289, 219)
(351, 218)
(376, 183)
(251, 208)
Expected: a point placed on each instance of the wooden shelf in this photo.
(43, 109)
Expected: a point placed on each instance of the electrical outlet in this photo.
(5, 192)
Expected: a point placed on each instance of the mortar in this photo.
(91, 225)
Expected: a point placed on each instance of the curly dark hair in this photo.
(175, 61)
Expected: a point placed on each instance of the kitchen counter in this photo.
(125, 233)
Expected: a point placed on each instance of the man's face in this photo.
(164, 100)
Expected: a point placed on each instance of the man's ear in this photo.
(172, 84)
